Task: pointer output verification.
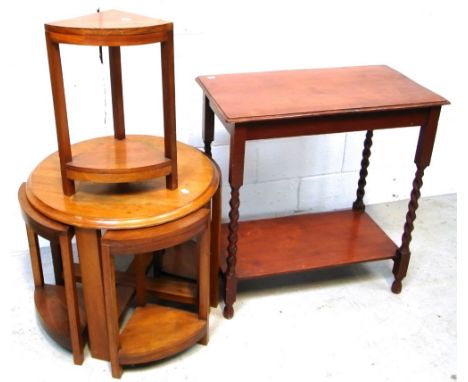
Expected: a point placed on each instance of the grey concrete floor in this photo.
(337, 324)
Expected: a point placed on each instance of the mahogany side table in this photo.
(307, 102)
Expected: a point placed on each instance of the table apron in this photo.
(326, 124)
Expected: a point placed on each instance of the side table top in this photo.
(124, 205)
(312, 92)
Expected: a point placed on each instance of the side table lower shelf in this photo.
(51, 307)
(172, 330)
(303, 242)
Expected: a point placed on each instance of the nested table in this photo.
(307, 102)
(98, 206)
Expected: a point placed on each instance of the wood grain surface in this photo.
(295, 93)
(119, 206)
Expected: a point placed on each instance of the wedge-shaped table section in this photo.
(173, 330)
(111, 160)
(51, 307)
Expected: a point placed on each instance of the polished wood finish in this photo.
(339, 237)
(116, 206)
(215, 231)
(98, 206)
(109, 160)
(114, 29)
(57, 305)
(109, 28)
(315, 101)
(208, 131)
(179, 260)
(249, 97)
(52, 311)
(366, 153)
(155, 332)
(115, 66)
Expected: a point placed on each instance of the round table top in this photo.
(124, 205)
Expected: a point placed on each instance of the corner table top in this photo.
(260, 96)
(106, 22)
(109, 28)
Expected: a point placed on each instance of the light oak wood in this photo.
(114, 29)
(122, 206)
(109, 160)
(152, 332)
(57, 306)
(155, 332)
(104, 206)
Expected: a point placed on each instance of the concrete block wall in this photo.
(319, 173)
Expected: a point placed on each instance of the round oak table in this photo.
(101, 206)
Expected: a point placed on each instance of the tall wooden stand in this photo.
(119, 160)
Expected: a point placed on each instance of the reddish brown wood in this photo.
(231, 260)
(250, 97)
(207, 126)
(215, 231)
(52, 311)
(340, 237)
(422, 159)
(57, 262)
(339, 123)
(306, 102)
(114, 29)
(203, 267)
(172, 289)
(87, 241)
(426, 138)
(141, 266)
(109, 28)
(403, 254)
(60, 108)
(57, 305)
(155, 332)
(358, 205)
(168, 84)
(115, 64)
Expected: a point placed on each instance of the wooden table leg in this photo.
(208, 126)
(358, 205)
(115, 64)
(422, 159)
(88, 243)
(215, 246)
(236, 177)
(403, 254)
